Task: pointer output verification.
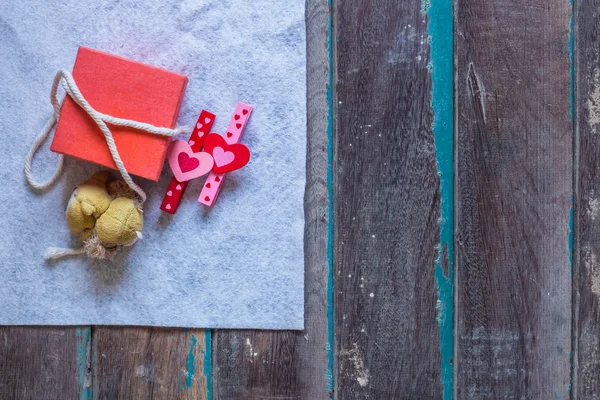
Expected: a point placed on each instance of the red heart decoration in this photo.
(208, 185)
(228, 157)
(245, 112)
(238, 126)
(187, 163)
(237, 117)
(217, 179)
(229, 134)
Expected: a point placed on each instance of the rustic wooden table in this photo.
(452, 225)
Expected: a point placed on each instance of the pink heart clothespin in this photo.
(213, 183)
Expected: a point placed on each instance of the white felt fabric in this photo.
(237, 265)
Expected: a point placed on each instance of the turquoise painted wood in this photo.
(439, 13)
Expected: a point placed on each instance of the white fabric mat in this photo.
(237, 265)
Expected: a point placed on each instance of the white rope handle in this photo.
(100, 119)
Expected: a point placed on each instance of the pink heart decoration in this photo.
(222, 157)
(186, 164)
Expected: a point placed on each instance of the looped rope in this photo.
(68, 83)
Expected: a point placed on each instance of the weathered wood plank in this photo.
(284, 364)
(150, 363)
(386, 204)
(586, 379)
(44, 363)
(513, 198)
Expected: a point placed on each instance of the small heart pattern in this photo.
(186, 164)
(227, 157)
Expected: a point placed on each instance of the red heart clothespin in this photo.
(227, 157)
(176, 189)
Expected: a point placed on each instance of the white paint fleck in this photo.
(371, 295)
(588, 369)
(250, 350)
(349, 275)
(590, 260)
(403, 50)
(146, 370)
(593, 103)
(593, 208)
(361, 373)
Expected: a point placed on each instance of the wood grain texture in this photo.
(386, 204)
(42, 363)
(513, 198)
(586, 378)
(284, 364)
(149, 363)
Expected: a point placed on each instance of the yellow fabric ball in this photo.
(88, 202)
(121, 223)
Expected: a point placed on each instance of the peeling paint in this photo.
(440, 30)
(570, 238)
(82, 340)
(207, 363)
(404, 49)
(187, 375)
(330, 101)
(361, 373)
(590, 261)
(146, 371)
(593, 103)
(589, 381)
(593, 208)
(250, 350)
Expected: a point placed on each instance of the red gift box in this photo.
(124, 89)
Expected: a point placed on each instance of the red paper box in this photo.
(124, 89)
